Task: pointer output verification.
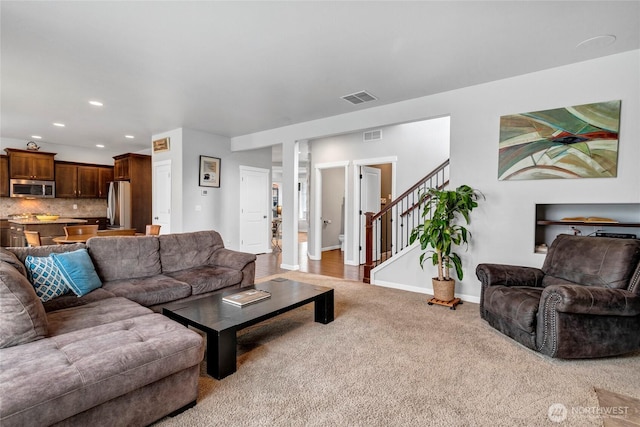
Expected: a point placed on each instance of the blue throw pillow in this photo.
(46, 278)
(77, 269)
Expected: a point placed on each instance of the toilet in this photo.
(341, 239)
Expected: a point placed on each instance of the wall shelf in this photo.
(589, 223)
(549, 223)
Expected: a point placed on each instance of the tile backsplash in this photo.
(62, 207)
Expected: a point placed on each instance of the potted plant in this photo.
(440, 232)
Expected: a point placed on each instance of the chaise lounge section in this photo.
(107, 358)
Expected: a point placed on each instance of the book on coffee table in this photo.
(246, 297)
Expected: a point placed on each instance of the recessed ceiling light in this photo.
(597, 42)
(129, 136)
(60, 125)
(36, 137)
(96, 103)
(99, 145)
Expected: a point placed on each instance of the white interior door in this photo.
(161, 204)
(255, 195)
(370, 188)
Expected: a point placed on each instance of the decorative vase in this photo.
(443, 290)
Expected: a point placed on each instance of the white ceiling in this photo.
(233, 68)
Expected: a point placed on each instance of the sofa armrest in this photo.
(594, 300)
(231, 259)
(509, 275)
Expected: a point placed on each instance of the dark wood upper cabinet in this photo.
(105, 175)
(83, 181)
(25, 164)
(66, 180)
(4, 176)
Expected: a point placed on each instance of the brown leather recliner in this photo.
(584, 302)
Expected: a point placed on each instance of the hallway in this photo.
(332, 263)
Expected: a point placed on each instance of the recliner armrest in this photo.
(509, 275)
(231, 259)
(591, 300)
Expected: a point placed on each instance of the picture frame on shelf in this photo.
(209, 171)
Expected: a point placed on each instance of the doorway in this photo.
(161, 199)
(386, 167)
(255, 205)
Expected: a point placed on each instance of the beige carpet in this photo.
(389, 359)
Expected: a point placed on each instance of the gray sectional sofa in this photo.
(108, 357)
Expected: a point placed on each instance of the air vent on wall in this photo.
(372, 135)
(359, 97)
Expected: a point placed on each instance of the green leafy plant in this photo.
(440, 230)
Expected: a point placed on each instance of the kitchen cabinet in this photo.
(4, 176)
(136, 168)
(5, 233)
(25, 164)
(76, 180)
(105, 176)
(100, 221)
(47, 229)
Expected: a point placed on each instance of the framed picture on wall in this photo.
(209, 171)
(160, 145)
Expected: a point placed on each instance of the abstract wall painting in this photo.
(571, 142)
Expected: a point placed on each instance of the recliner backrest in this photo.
(592, 261)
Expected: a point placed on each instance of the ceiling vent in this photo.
(359, 97)
(372, 135)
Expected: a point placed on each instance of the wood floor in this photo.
(332, 263)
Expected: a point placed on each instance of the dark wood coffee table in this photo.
(221, 320)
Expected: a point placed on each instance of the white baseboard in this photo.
(290, 267)
(463, 297)
(330, 248)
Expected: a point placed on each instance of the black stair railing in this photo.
(387, 232)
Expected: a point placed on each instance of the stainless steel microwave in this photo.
(32, 189)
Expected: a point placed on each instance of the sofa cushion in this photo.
(149, 290)
(592, 261)
(22, 252)
(47, 381)
(46, 277)
(22, 316)
(11, 258)
(93, 314)
(122, 257)
(186, 250)
(78, 271)
(207, 278)
(70, 299)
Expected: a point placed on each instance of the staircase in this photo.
(388, 231)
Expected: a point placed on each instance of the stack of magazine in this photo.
(246, 297)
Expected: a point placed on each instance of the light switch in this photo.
(198, 208)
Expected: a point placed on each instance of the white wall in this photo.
(219, 208)
(503, 225)
(418, 146)
(68, 153)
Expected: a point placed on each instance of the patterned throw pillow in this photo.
(46, 278)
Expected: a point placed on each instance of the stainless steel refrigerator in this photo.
(119, 204)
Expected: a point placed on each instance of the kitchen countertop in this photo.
(57, 221)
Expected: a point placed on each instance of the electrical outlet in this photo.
(75, 206)
(198, 208)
